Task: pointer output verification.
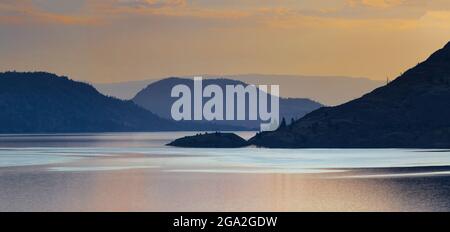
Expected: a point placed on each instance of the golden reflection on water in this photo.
(134, 172)
(150, 189)
(136, 190)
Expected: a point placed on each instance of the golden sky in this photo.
(118, 40)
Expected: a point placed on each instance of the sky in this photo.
(103, 41)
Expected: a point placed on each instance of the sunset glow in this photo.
(118, 40)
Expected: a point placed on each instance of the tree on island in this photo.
(282, 124)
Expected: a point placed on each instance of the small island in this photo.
(211, 140)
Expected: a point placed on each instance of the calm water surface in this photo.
(137, 172)
(148, 149)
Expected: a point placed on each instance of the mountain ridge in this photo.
(328, 90)
(411, 111)
(156, 98)
(41, 102)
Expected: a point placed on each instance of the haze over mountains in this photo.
(328, 90)
(156, 98)
(412, 111)
(42, 102)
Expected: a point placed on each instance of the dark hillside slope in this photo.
(42, 102)
(411, 112)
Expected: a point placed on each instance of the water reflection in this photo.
(136, 172)
(139, 190)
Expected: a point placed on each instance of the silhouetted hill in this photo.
(156, 98)
(413, 111)
(328, 90)
(210, 140)
(41, 102)
(44, 102)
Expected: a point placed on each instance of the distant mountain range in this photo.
(156, 98)
(40, 102)
(328, 90)
(412, 111)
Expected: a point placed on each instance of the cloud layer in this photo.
(115, 40)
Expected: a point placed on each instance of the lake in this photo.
(137, 172)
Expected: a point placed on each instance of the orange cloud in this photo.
(318, 22)
(175, 8)
(290, 19)
(152, 3)
(376, 3)
(99, 11)
(15, 12)
(436, 19)
(63, 19)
